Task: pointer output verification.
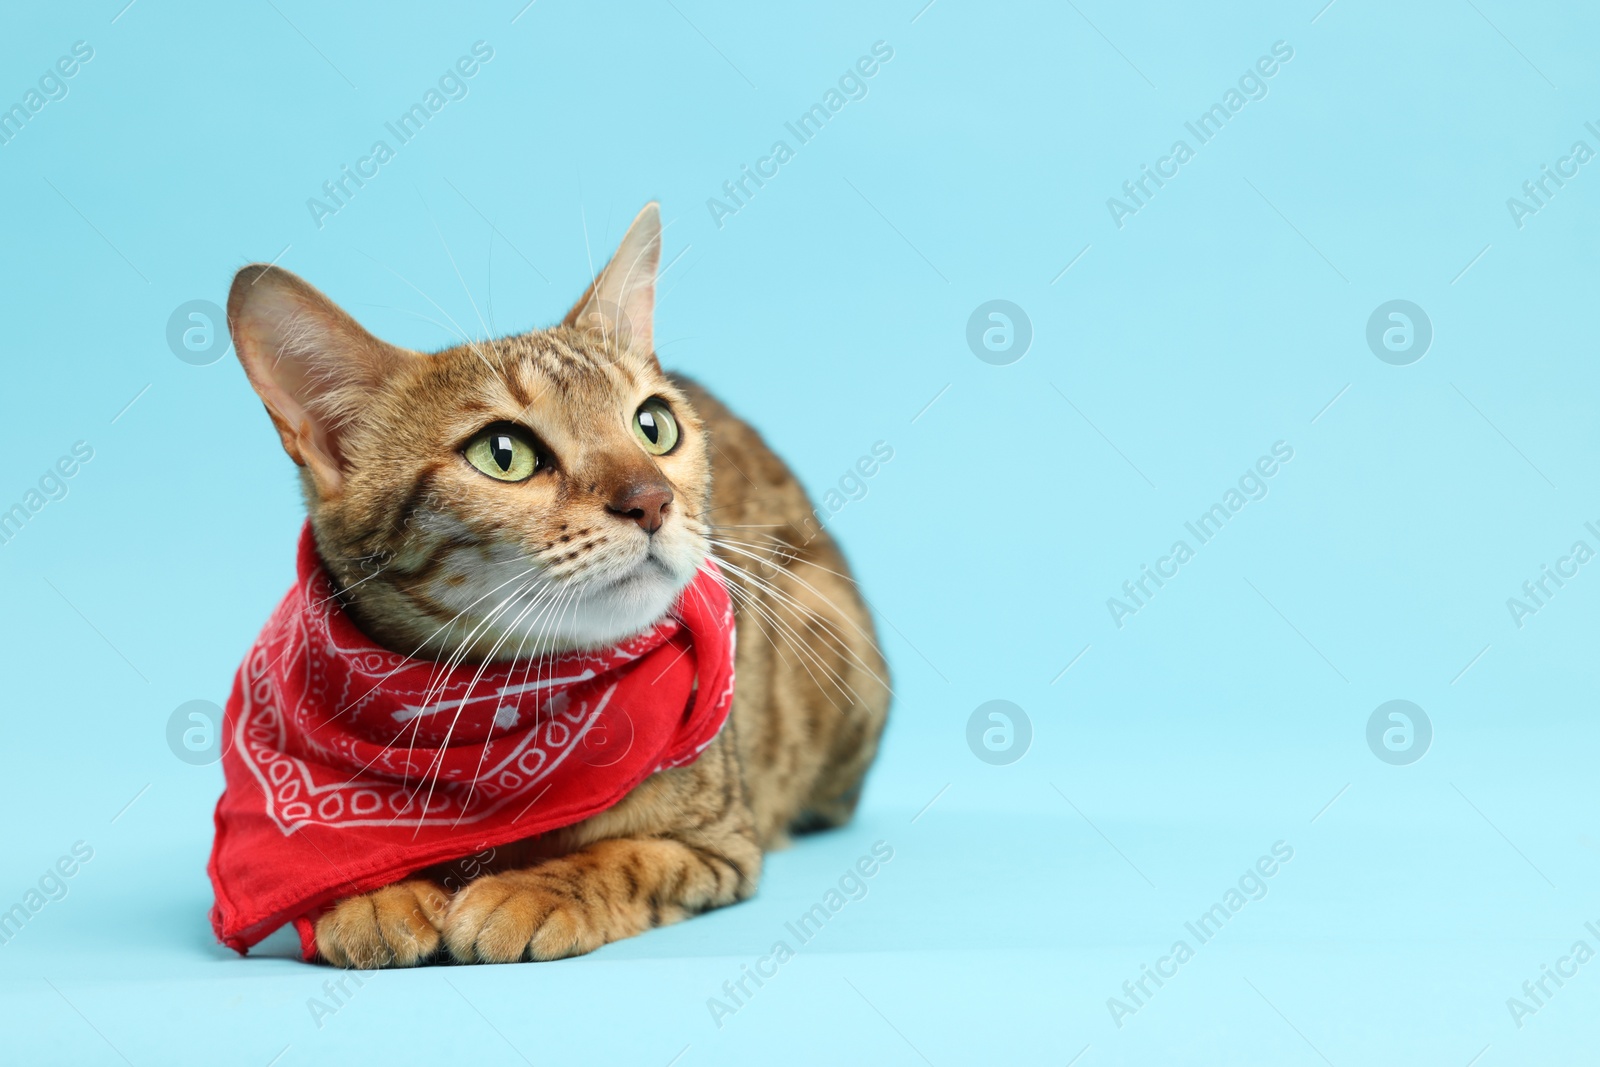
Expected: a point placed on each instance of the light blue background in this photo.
(1223, 317)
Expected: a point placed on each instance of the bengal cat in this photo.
(410, 529)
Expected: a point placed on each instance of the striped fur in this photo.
(436, 560)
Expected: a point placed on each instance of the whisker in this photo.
(549, 597)
(414, 726)
(405, 661)
(435, 766)
(444, 746)
(545, 595)
(753, 600)
(451, 257)
(795, 605)
(764, 613)
(470, 344)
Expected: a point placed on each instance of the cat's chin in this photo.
(626, 604)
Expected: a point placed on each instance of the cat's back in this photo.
(813, 690)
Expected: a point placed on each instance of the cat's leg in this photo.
(604, 892)
(680, 844)
(396, 926)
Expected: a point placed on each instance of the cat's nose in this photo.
(645, 503)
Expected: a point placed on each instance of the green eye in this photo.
(655, 427)
(503, 453)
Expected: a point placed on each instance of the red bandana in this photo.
(348, 766)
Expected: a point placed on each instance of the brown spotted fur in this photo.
(404, 523)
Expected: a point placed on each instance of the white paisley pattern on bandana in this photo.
(373, 730)
(347, 765)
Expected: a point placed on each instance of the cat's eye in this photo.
(503, 452)
(655, 427)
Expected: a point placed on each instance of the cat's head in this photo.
(499, 498)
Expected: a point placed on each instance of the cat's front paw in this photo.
(396, 926)
(504, 918)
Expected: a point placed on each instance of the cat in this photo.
(415, 529)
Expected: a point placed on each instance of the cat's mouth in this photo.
(630, 598)
(649, 569)
(609, 600)
(652, 567)
(655, 577)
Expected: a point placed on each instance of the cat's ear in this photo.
(618, 309)
(313, 366)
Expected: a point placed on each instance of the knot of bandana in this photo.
(347, 766)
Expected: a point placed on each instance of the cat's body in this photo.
(594, 544)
